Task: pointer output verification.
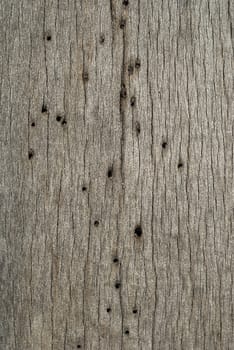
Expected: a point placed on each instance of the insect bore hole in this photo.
(133, 101)
(43, 108)
(117, 284)
(180, 165)
(138, 231)
(30, 154)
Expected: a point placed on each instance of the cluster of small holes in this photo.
(123, 92)
(137, 63)
(85, 76)
(61, 120)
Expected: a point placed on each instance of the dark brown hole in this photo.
(130, 69)
(123, 92)
(137, 63)
(108, 309)
(138, 231)
(48, 37)
(110, 172)
(134, 311)
(133, 101)
(122, 23)
(78, 346)
(126, 332)
(85, 76)
(43, 108)
(115, 260)
(117, 284)
(125, 2)
(180, 165)
(138, 128)
(64, 122)
(84, 188)
(30, 154)
(58, 118)
(102, 38)
(33, 124)
(96, 223)
(164, 144)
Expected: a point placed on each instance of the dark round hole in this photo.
(138, 231)
(110, 172)
(102, 38)
(180, 165)
(30, 154)
(58, 118)
(78, 346)
(84, 188)
(164, 144)
(33, 124)
(96, 223)
(85, 76)
(134, 311)
(115, 260)
(126, 332)
(137, 63)
(133, 101)
(130, 69)
(138, 128)
(117, 285)
(48, 38)
(123, 92)
(125, 2)
(122, 23)
(108, 309)
(64, 122)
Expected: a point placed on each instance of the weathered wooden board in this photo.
(116, 175)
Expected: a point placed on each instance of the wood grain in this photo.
(116, 175)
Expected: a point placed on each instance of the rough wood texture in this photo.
(116, 175)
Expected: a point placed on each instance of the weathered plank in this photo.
(116, 174)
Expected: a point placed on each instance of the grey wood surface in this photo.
(116, 175)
